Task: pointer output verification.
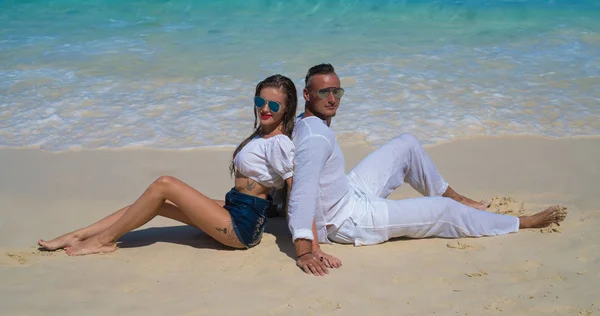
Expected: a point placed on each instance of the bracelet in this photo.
(304, 254)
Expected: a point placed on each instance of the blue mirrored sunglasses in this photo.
(260, 102)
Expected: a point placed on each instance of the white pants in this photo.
(376, 219)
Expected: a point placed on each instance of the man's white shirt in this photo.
(321, 190)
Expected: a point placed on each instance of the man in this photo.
(353, 208)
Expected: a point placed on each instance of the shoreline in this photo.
(343, 143)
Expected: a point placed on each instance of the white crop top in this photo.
(268, 161)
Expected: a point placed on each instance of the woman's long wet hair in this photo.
(287, 86)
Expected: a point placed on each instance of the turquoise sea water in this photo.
(181, 74)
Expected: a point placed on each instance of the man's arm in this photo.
(328, 260)
(311, 155)
(315, 241)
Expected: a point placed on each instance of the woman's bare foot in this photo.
(552, 215)
(450, 193)
(59, 242)
(90, 246)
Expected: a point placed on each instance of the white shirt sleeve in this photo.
(281, 157)
(311, 156)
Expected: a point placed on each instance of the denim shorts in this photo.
(248, 216)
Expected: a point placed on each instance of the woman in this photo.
(261, 161)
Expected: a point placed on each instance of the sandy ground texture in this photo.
(165, 268)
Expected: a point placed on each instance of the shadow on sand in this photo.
(278, 227)
(193, 237)
(181, 235)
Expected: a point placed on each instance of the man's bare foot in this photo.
(59, 242)
(90, 246)
(552, 215)
(450, 193)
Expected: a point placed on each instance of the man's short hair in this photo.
(320, 69)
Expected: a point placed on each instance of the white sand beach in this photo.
(165, 268)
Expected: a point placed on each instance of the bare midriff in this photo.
(248, 186)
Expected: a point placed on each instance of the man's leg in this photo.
(438, 217)
(400, 160)
(424, 217)
(444, 217)
(384, 219)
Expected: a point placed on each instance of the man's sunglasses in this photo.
(338, 93)
(260, 102)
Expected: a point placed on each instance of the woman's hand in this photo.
(311, 264)
(329, 260)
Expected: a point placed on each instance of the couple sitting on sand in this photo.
(325, 203)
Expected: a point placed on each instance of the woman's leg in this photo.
(168, 209)
(193, 208)
(75, 236)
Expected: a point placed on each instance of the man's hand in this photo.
(306, 260)
(329, 260)
(311, 264)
